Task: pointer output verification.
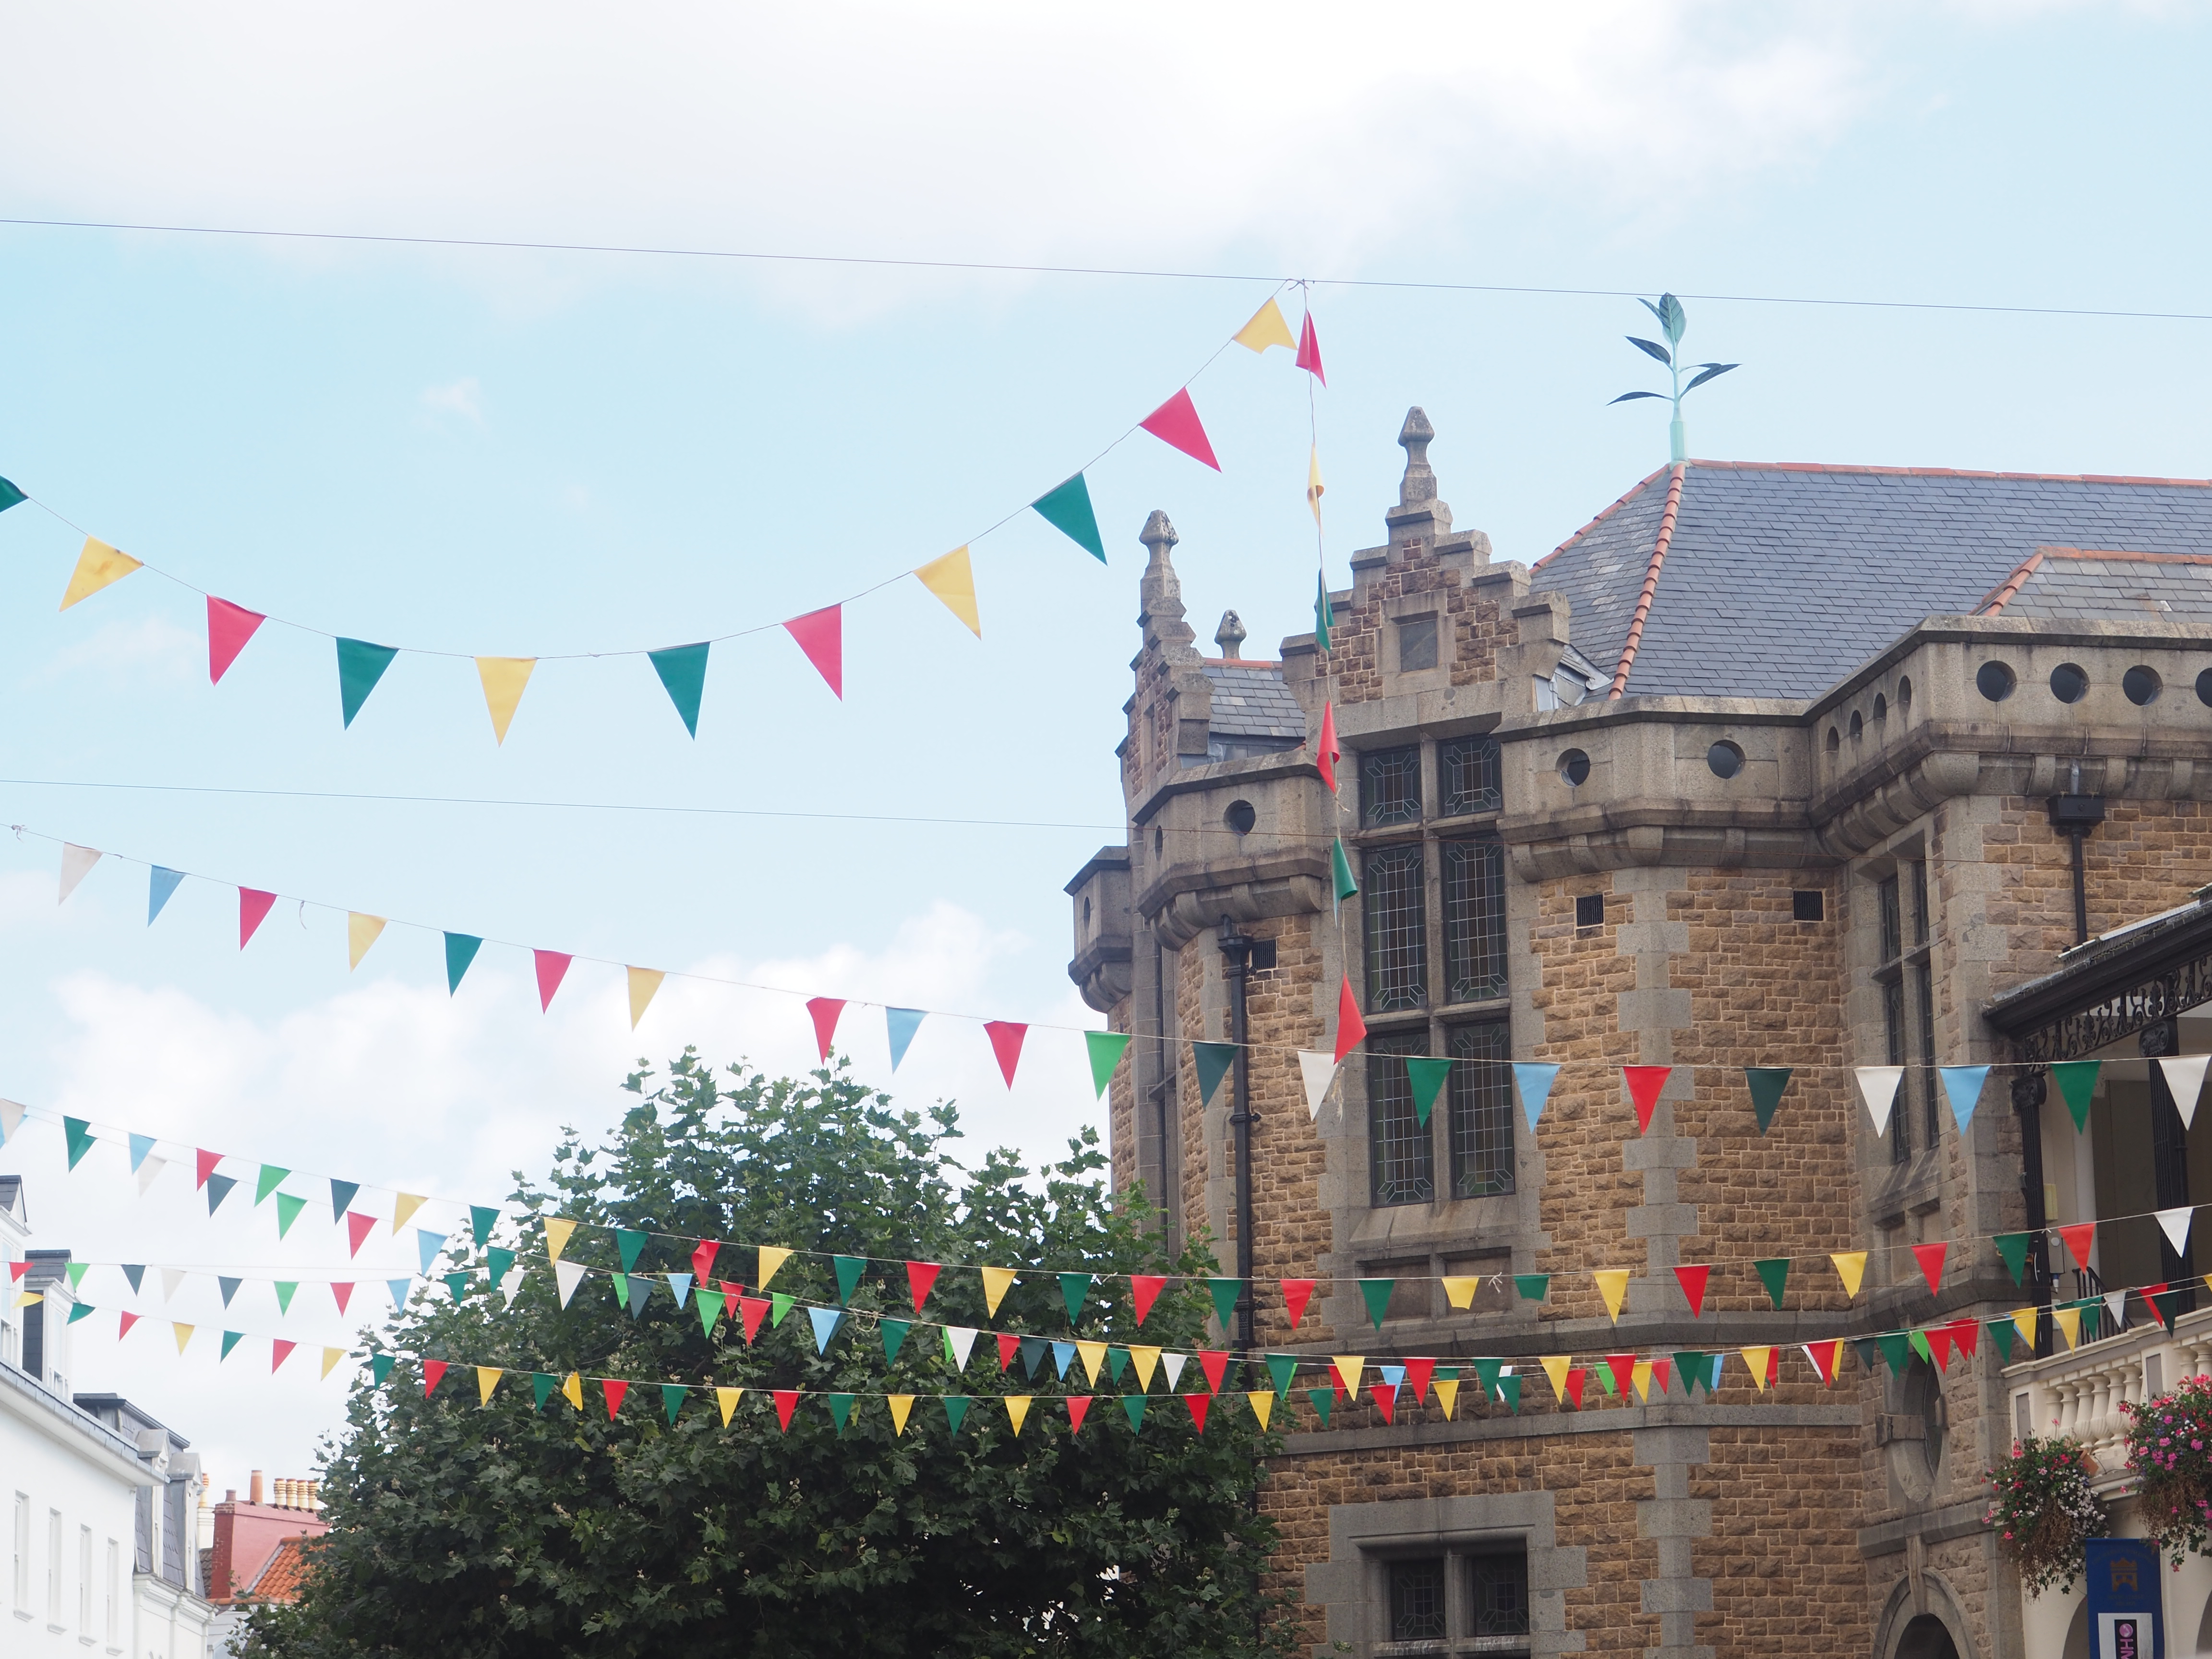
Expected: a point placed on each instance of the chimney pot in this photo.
(253, 1487)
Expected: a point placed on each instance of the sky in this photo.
(529, 452)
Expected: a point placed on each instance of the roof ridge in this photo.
(1659, 546)
(1932, 472)
(1633, 490)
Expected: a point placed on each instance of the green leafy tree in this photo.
(462, 1529)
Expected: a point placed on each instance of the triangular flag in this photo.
(615, 1388)
(1310, 350)
(1509, 1390)
(1323, 611)
(1532, 1287)
(136, 1273)
(1645, 1082)
(341, 1293)
(1930, 1258)
(559, 1230)
(398, 1287)
(1427, 1077)
(1850, 1267)
(727, 1399)
(643, 982)
(1339, 871)
(330, 1358)
(1758, 1359)
(1146, 1359)
(956, 1411)
(460, 951)
(1066, 508)
(572, 1390)
(1226, 1293)
(1326, 752)
(434, 1373)
(218, 1189)
(1385, 1396)
(1282, 1367)
(1213, 1363)
(361, 666)
(1006, 1044)
(997, 1281)
(823, 1012)
(1073, 1288)
(2068, 1321)
(1105, 1048)
(1447, 1395)
(2184, 1079)
(503, 679)
(1017, 1410)
(901, 1024)
(1375, 1293)
(849, 1270)
(1296, 1292)
(1176, 423)
(1534, 1084)
(78, 1133)
(1694, 1281)
(772, 1257)
(671, 1399)
(2081, 1238)
(1825, 1357)
(630, 1243)
(1556, 1367)
(206, 1161)
(10, 497)
(1938, 1338)
(1211, 1061)
(552, 967)
(97, 566)
(1351, 1028)
(1612, 1285)
(76, 861)
(1263, 1405)
(358, 1228)
(1774, 1274)
(2175, 1224)
(184, 1335)
(1766, 1084)
(361, 932)
(568, 1275)
(682, 670)
(229, 628)
(1144, 1290)
(920, 1278)
(487, 1379)
(1094, 1356)
(160, 883)
(953, 580)
(1418, 1374)
(1962, 1086)
(253, 905)
(429, 1245)
(1348, 1366)
(2024, 1322)
(1268, 328)
(1619, 1374)
(1878, 1087)
(1640, 1378)
(679, 1286)
(821, 635)
(272, 1177)
(2077, 1085)
(172, 1278)
(1316, 1071)
(751, 1310)
(1460, 1289)
(288, 1211)
(2011, 1248)
(1321, 1402)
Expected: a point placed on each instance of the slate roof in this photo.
(1251, 701)
(1780, 579)
(2099, 587)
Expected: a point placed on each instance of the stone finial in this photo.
(1159, 535)
(1231, 635)
(1420, 484)
(1162, 617)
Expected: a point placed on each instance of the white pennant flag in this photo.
(148, 1167)
(11, 1119)
(77, 864)
(1878, 1084)
(1172, 1363)
(2184, 1076)
(513, 1285)
(1319, 1071)
(171, 1278)
(568, 1275)
(2176, 1223)
(2115, 1303)
(962, 1341)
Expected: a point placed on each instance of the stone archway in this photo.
(1926, 1636)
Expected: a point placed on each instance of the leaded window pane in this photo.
(1501, 1595)
(1924, 993)
(1390, 787)
(1469, 778)
(1481, 1097)
(1400, 1162)
(1892, 1023)
(1417, 1601)
(1893, 925)
(1397, 929)
(1474, 920)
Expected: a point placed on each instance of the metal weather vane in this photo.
(1672, 323)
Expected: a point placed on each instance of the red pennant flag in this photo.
(752, 1309)
(2150, 1294)
(1336, 1382)
(1006, 1043)
(1144, 1290)
(279, 1351)
(1077, 1406)
(1009, 1346)
(1826, 1356)
(1296, 1292)
(1623, 1366)
(821, 635)
(253, 905)
(1663, 1370)
(1575, 1376)
(1176, 423)
(2079, 1239)
(615, 1389)
(207, 1161)
(787, 1402)
(732, 1294)
(1418, 1373)
(1692, 1280)
(129, 1320)
(1350, 1029)
(1967, 1333)
(1326, 753)
(17, 1269)
(824, 1011)
(1645, 1082)
(1938, 1344)
(1198, 1404)
(341, 1294)
(229, 627)
(1310, 350)
(552, 968)
(1385, 1396)
(1214, 1362)
(1930, 1257)
(433, 1372)
(702, 1260)
(1773, 1366)
(358, 1228)
(921, 1279)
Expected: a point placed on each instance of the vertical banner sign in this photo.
(2124, 1600)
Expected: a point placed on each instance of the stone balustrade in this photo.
(2081, 1392)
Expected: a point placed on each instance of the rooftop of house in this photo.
(1777, 580)
(283, 1576)
(1250, 701)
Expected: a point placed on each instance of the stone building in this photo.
(1800, 766)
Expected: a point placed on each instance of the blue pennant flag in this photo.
(158, 888)
(681, 1284)
(1534, 1082)
(429, 1243)
(1392, 1375)
(902, 1023)
(398, 1287)
(826, 1325)
(229, 1288)
(140, 1145)
(1063, 1355)
(1963, 1083)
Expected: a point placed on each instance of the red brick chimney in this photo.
(247, 1534)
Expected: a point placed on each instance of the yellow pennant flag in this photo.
(97, 566)
(643, 982)
(1094, 1356)
(953, 580)
(1447, 1395)
(405, 1206)
(1850, 1267)
(772, 1256)
(487, 1379)
(1349, 1367)
(1268, 328)
(1612, 1285)
(1640, 1375)
(361, 932)
(1263, 1404)
(330, 1358)
(2023, 1321)
(184, 1334)
(1460, 1290)
(727, 1399)
(1314, 485)
(1017, 1408)
(503, 679)
(2068, 1321)
(29, 1298)
(1758, 1359)
(559, 1230)
(1145, 1359)
(571, 1390)
(901, 1404)
(1555, 1367)
(997, 1281)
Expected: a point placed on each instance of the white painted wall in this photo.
(67, 1491)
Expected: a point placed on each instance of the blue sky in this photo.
(522, 453)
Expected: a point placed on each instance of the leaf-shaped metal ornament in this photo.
(1626, 396)
(1672, 319)
(1651, 347)
(1708, 371)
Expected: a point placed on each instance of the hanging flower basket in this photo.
(2044, 1510)
(2170, 1456)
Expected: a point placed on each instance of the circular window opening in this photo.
(1924, 1399)
(1574, 767)
(2204, 688)
(2069, 682)
(2142, 685)
(1994, 681)
(1727, 760)
(1240, 817)
(1903, 698)
(1858, 728)
(1881, 708)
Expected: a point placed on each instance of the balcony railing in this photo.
(2080, 1394)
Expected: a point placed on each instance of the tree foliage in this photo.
(462, 1529)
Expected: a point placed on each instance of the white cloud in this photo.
(463, 398)
(151, 650)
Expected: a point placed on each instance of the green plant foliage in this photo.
(526, 1527)
(1674, 322)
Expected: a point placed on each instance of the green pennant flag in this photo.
(81, 1311)
(1532, 1287)
(622, 1289)
(632, 1246)
(361, 666)
(1766, 1084)
(1212, 1061)
(342, 1194)
(841, 1408)
(1323, 1400)
(1376, 1294)
(498, 1259)
(271, 1178)
(379, 1366)
(1282, 1367)
(460, 951)
(482, 1218)
(80, 1138)
(779, 1304)
(1106, 1048)
(1919, 1339)
(1605, 1380)
(2013, 1246)
(1896, 1350)
(893, 1335)
(1509, 1390)
(286, 1290)
(1427, 1077)
(541, 1388)
(1226, 1294)
(1485, 1373)
(458, 1283)
(288, 1211)
(849, 1269)
(1867, 1349)
(1134, 1404)
(671, 1399)
(1340, 869)
(1066, 508)
(1118, 1361)
(1073, 1288)
(1693, 1370)
(230, 1340)
(710, 1313)
(2091, 1308)
(10, 497)
(682, 670)
(1324, 612)
(956, 1411)
(2077, 1082)
(2003, 1330)
(1774, 1274)
(76, 1271)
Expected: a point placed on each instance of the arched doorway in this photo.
(1925, 1638)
